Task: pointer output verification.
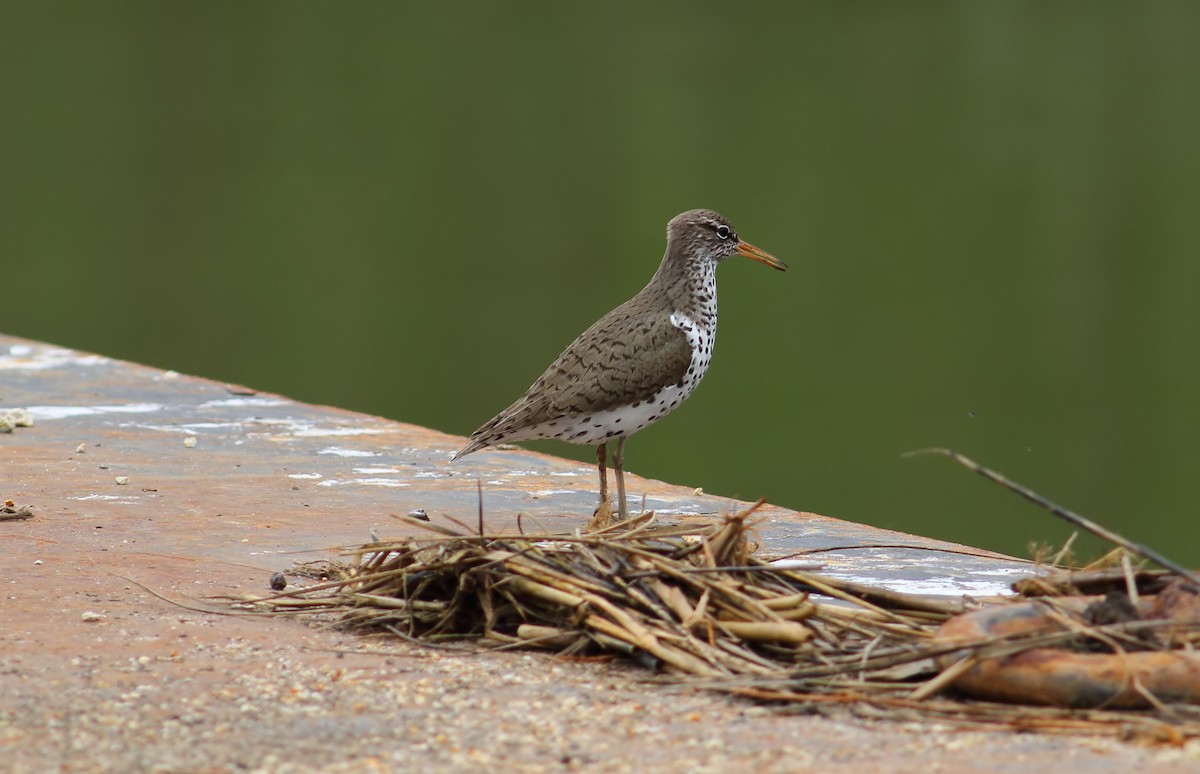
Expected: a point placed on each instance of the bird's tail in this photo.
(474, 446)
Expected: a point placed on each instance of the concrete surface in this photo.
(196, 488)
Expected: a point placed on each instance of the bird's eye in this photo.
(723, 232)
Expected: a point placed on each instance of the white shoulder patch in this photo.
(683, 322)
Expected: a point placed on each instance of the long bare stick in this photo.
(1066, 514)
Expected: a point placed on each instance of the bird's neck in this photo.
(689, 289)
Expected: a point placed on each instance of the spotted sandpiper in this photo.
(636, 363)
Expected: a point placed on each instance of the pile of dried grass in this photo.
(701, 608)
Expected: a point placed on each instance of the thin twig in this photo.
(1066, 514)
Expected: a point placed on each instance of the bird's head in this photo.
(706, 236)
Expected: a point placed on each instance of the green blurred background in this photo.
(991, 211)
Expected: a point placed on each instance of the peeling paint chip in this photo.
(10, 419)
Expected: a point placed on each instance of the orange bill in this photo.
(747, 250)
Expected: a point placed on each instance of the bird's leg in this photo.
(619, 467)
(601, 461)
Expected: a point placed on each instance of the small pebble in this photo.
(89, 617)
(418, 513)
(278, 581)
(122, 480)
(81, 448)
(190, 441)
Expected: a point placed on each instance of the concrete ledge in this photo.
(196, 488)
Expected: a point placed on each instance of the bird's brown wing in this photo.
(624, 357)
(620, 359)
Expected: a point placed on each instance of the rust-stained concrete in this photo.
(196, 488)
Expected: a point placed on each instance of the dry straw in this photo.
(699, 607)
